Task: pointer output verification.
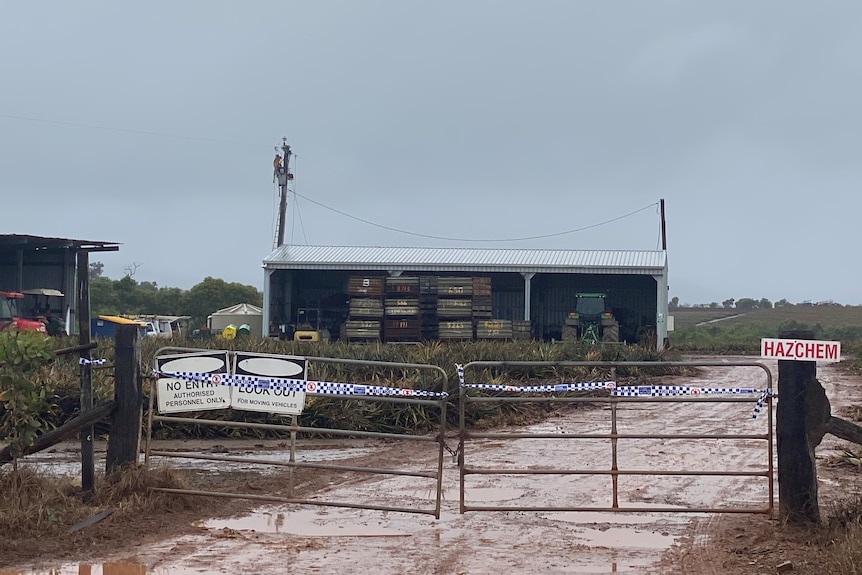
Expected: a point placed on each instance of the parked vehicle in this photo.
(592, 320)
(308, 326)
(41, 304)
(163, 325)
(11, 317)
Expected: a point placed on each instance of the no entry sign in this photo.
(800, 349)
(178, 395)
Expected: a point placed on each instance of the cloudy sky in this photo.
(153, 124)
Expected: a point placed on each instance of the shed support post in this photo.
(267, 295)
(69, 302)
(528, 277)
(661, 310)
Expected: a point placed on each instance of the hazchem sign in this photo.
(204, 391)
(800, 349)
(269, 383)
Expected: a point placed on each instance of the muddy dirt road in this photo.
(277, 538)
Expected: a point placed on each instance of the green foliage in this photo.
(127, 296)
(22, 353)
(213, 294)
(746, 303)
(96, 269)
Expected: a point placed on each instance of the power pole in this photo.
(663, 228)
(282, 176)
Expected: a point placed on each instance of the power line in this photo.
(296, 210)
(301, 223)
(543, 236)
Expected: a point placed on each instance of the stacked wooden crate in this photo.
(403, 321)
(494, 329)
(521, 329)
(425, 307)
(365, 309)
(482, 309)
(486, 326)
(428, 307)
(455, 308)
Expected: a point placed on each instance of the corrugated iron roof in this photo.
(466, 259)
(240, 308)
(41, 242)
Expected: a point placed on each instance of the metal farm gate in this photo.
(196, 380)
(625, 408)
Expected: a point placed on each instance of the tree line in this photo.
(744, 303)
(127, 296)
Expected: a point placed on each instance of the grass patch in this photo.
(39, 506)
(33, 505)
(840, 550)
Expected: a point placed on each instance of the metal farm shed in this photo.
(239, 314)
(534, 285)
(31, 262)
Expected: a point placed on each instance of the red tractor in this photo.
(10, 316)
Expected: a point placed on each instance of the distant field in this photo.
(827, 316)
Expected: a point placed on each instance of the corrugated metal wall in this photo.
(39, 270)
(507, 296)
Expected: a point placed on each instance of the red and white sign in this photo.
(800, 349)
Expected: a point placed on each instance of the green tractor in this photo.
(592, 321)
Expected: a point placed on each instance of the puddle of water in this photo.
(306, 523)
(620, 537)
(588, 517)
(613, 567)
(474, 494)
(60, 464)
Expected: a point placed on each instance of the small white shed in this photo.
(239, 314)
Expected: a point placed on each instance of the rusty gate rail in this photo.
(615, 403)
(294, 428)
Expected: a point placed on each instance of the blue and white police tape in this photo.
(287, 384)
(214, 378)
(84, 361)
(674, 390)
(553, 388)
(630, 390)
(460, 369)
(758, 406)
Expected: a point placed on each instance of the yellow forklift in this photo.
(308, 326)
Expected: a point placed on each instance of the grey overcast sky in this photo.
(153, 124)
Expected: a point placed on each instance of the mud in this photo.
(311, 539)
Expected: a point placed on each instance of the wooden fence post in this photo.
(797, 426)
(124, 441)
(88, 466)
